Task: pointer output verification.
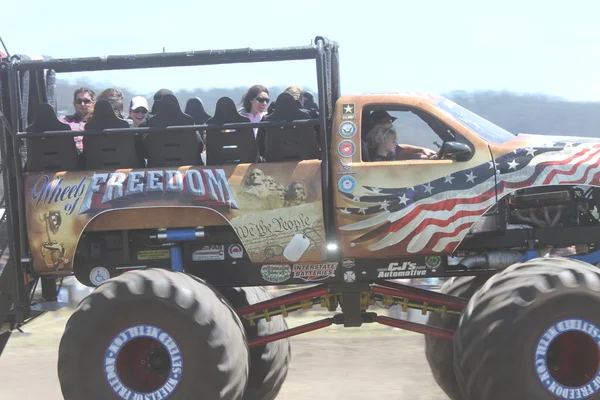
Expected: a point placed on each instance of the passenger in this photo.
(138, 110)
(298, 94)
(255, 104)
(308, 101)
(313, 111)
(83, 102)
(271, 108)
(156, 98)
(115, 97)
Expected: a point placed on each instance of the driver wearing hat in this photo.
(403, 151)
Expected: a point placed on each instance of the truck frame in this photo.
(178, 251)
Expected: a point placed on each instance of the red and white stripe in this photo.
(573, 165)
(432, 226)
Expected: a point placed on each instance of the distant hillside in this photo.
(533, 113)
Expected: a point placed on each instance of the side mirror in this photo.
(455, 151)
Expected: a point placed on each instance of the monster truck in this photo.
(177, 250)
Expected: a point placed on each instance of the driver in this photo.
(383, 146)
(374, 123)
(382, 143)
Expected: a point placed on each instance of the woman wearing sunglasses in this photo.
(255, 103)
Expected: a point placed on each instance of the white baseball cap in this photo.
(137, 102)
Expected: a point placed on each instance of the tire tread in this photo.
(194, 298)
(503, 299)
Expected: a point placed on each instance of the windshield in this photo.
(484, 128)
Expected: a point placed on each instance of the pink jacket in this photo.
(253, 118)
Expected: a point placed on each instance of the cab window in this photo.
(403, 133)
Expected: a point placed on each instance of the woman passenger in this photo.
(255, 103)
(115, 97)
(138, 110)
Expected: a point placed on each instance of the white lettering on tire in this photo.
(120, 340)
(541, 365)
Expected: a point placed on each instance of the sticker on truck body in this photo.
(209, 253)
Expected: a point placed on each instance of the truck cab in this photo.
(374, 201)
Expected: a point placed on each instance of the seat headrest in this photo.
(225, 111)
(287, 108)
(168, 103)
(46, 120)
(195, 108)
(104, 117)
(169, 113)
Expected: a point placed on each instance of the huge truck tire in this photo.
(154, 334)
(532, 332)
(268, 363)
(440, 352)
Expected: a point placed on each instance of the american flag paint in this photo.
(435, 216)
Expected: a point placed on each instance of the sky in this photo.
(543, 47)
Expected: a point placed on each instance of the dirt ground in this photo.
(371, 362)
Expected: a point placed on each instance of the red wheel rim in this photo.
(573, 358)
(143, 364)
